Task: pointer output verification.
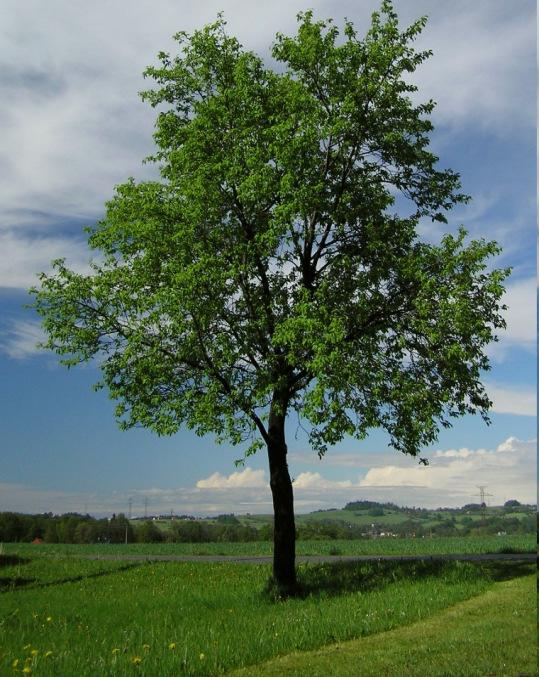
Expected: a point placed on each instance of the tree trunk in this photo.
(284, 540)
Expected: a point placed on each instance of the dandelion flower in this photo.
(49, 619)
(146, 647)
(34, 652)
(136, 660)
(115, 651)
(15, 663)
(27, 670)
(172, 646)
(202, 656)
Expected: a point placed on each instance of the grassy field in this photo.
(69, 616)
(491, 634)
(380, 546)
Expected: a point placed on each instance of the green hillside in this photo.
(364, 519)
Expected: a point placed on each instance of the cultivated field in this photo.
(61, 614)
(378, 546)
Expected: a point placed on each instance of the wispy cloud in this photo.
(521, 314)
(519, 400)
(92, 131)
(20, 339)
(23, 256)
(483, 58)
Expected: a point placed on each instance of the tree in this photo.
(512, 503)
(276, 265)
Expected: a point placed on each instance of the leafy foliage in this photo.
(269, 268)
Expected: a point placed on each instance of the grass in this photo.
(67, 616)
(492, 634)
(380, 546)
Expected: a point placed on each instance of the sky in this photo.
(73, 126)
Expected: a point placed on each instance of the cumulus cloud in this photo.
(314, 480)
(508, 469)
(244, 478)
(451, 479)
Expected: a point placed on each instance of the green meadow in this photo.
(62, 614)
(367, 546)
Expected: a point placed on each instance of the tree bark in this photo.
(284, 540)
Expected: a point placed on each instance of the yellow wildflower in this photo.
(49, 619)
(115, 651)
(146, 647)
(15, 663)
(136, 660)
(27, 670)
(202, 656)
(34, 652)
(172, 646)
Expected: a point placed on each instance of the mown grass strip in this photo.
(492, 634)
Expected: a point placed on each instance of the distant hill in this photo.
(369, 518)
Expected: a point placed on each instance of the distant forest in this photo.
(358, 519)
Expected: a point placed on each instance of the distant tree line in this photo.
(67, 528)
(76, 528)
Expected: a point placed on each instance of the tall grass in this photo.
(72, 617)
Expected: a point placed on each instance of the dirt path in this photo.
(318, 559)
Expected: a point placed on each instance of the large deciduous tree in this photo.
(276, 265)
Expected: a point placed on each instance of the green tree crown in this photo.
(276, 263)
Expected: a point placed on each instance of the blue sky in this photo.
(73, 127)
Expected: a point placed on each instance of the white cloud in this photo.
(483, 63)
(457, 453)
(451, 479)
(73, 125)
(22, 257)
(506, 399)
(244, 478)
(508, 471)
(92, 131)
(521, 314)
(21, 338)
(314, 480)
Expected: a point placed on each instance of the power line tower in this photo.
(483, 493)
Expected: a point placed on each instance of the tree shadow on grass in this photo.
(7, 584)
(10, 560)
(504, 570)
(344, 577)
(338, 578)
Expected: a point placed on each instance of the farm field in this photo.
(64, 615)
(378, 546)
